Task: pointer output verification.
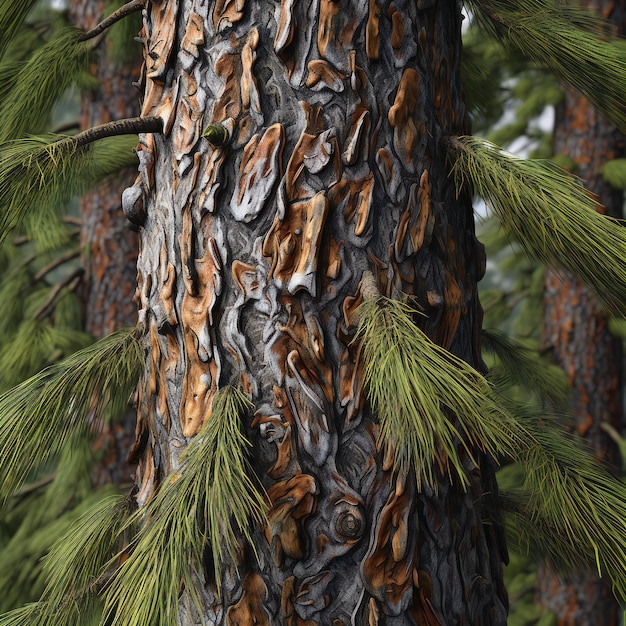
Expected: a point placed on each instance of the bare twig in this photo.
(70, 282)
(116, 16)
(64, 258)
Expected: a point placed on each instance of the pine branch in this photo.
(116, 16)
(571, 41)
(40, 414)
(432, 406)
(548, 213)
(207, 504)
(40, 173)
(70, 282)
(129, 126)
(41, 81)
(568, 510)
(519, 365)
(70, 255)
(12, 14)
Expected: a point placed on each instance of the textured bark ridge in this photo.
(250, 268)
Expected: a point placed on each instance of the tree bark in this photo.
(250, 267)
(108, 246)
(576, 332)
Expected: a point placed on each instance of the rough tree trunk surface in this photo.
(576, 332)
(250, 268)
(108, 246)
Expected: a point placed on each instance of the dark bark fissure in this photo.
(250, 268)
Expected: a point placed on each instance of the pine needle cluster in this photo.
(41, 174)
(431, 404)
(434, 409)
(40, 414)
(42, 80)
(519, 366)
(571, 41)
(548, 213)
(12, 15)
(206, 505)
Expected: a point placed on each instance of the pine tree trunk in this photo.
(576, 332)
(250, 267)
(108, 246)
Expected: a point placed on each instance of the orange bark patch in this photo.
(202, 365)
(227, 13)
(388, 567)
(417, 222)
(295, 243)
(293, 502)
(356, 143)
(259, 170)
(162, 37)
(329, 25)
(322, 74)
(250, 609)
(372, 34)
(404, 118)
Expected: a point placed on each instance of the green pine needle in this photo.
(208, 503)
(12, 14)
(415, 387)
(519, 365)
(70, 397)
(548, 213)
(33, 346)
(121, 44)
(76, 563)
(41, 82)
(568, 510)
(43, 173)
(569, 40)
(38, 614)
(431, 404)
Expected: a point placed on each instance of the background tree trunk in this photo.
(576, 332)
(108, 246)
(250, 268)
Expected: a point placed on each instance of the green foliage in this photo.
(77, 561)
(36, 344)
(571, 41)
(40, 514)
(614, 173)
(42, 80)
(12, 15)
(87, 537)
(39, 174)
(548, 213)
(519, 365)
(70, 397)
(568, 510)
(210, 500)
(429, 402)
(521, 574)
(417, 389)
(120, 37)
